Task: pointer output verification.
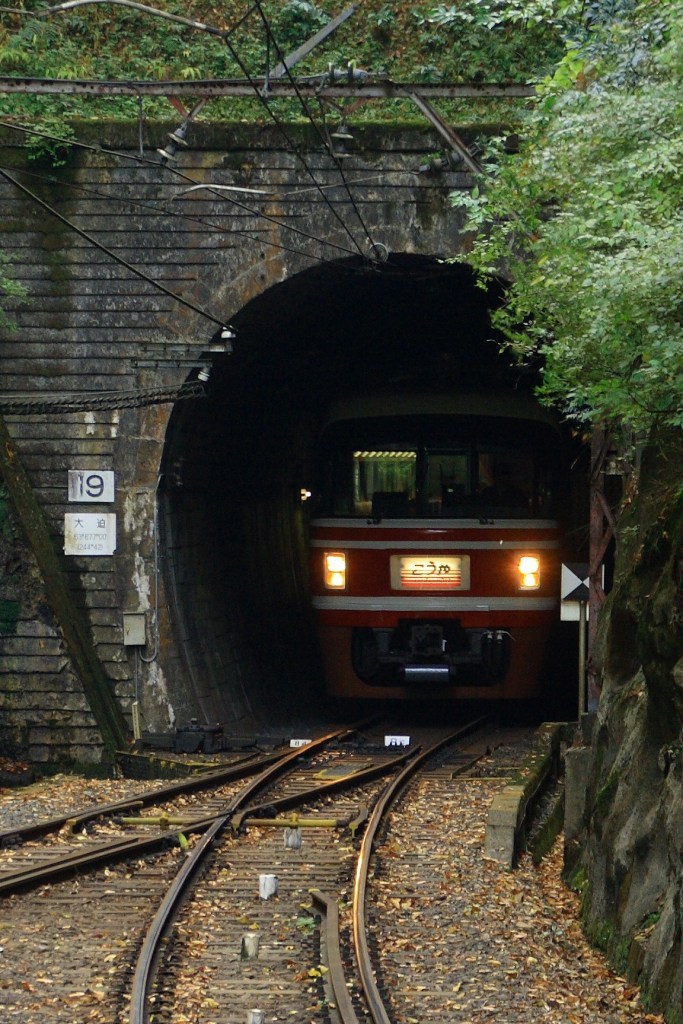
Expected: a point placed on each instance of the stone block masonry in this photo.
(90, 323)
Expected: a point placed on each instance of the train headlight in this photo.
(335, 570)
(529, 567)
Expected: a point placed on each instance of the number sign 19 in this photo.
(91, 485)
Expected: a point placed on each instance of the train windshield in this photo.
(432, 468)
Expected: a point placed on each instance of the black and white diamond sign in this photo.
(574, 582)
(574, 590)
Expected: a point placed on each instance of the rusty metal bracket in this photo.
(293, 58)
(449, 134)
(360, 819)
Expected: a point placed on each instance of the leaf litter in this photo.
(502, 945)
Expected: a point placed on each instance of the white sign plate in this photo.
(397, 741)
(91, 485)
(299, 743)
(89, 533)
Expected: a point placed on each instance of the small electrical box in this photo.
(134, 629)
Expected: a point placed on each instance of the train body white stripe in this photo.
(436, 545)
(441, 525)
(431, 604)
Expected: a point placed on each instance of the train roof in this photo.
(492, 404)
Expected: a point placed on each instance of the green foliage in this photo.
(306, 924)
(501, 40)
(586, 220)
(385, 17)
(493, 14)
(296, 22)
(110, 41)
(8, 287)
(53, 133)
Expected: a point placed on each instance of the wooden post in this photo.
(599, 539)
(582, 658)
(74, 627)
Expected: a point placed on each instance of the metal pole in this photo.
(582, 658)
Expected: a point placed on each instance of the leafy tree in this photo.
(587, 218)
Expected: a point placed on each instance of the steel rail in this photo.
(245, 766)
(149, 953)
(352, 780)
(367, 977)
(342, 996)
(116, 849)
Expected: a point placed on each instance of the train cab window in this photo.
(433, 467)
(506, 480)
(384, 482)
(447, 481)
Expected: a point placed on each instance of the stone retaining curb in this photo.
(510, 809)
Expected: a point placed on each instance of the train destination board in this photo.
(430, 572)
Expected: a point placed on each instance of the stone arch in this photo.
(232, 523)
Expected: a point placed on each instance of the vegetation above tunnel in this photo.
(587, 219)
(418, 41)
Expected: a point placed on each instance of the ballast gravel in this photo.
(509, 945)
(61, 795)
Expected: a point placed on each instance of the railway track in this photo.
(71, 843)
(420, 919)
(194, 931)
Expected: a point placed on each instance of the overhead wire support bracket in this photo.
(364, 85)
(452, 138)
(281, 69)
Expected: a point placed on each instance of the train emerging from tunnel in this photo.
(436, 545)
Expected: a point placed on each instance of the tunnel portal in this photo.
(235, 463)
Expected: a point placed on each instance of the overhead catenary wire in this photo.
(136, 158)
(272, 220)
(71, 5)
(224, 35)
(138, 204)
(294, 149)
(114, 256)
(148, 396)
(374, 247)
(307, 112)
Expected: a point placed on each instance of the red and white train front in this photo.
(435, 556)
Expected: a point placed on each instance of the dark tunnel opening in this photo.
(233, 523)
